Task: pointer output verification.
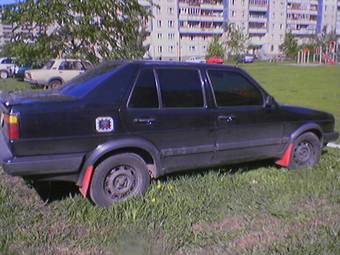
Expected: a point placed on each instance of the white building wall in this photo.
(338, 20)
(329, 15)
(276, 27)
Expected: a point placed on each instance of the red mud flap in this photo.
(86, 181)
(285, 159)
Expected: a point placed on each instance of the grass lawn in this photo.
(254, 208)
(314, 87)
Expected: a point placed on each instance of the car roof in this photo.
(172, 63)
(67, 59)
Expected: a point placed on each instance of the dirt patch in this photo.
(231, 223)
(263, 230)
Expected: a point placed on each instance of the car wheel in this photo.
(118, 178)
(306, 151)
(54, 84)
(3, 74)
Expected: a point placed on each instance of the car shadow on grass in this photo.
(51, 191)
(229, 169)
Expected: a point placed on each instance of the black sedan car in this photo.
(113, 128)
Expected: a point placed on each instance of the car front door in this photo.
(167, 107)
(245, 128)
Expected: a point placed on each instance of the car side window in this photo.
(144, 93)
(7, 61)
(233, 89)
(180, 87)
(66, 65)
(77, 65)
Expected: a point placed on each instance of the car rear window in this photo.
(180, 87)
(144, 94)
(84, 83)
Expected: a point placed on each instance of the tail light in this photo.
(28, 75)
(12, 121)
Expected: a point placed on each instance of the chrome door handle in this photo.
(226, 118)
(147, 121)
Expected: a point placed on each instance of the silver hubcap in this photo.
(120, 182)
(3, 75)
(304, 154)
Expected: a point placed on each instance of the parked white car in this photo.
(56, 72)
(6, 67)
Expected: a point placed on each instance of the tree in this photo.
(235, 41)
(91, 29)
(215, 48)
(290, 45)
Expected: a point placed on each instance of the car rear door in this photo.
(70, 69)
(168, 108)
(245, 129)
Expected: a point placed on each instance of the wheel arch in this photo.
(146, 150)
(54, 78)
(5, 70)
(308, 127)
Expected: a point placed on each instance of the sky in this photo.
(7, 1)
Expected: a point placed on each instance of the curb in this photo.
(333, 145)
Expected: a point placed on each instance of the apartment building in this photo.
(264, 21)
(181, 29)
(338, 21)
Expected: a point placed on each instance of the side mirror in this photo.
(269, 102)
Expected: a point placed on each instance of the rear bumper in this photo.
(328, 137)
(43, 165)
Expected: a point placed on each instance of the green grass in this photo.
(314, 87)
(12, 84)
(254, 208)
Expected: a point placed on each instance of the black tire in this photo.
(306, 151)
(54, 84)
(4, 74)
(118, 178)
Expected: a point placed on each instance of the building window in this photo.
(158, 9)
(272, 48)
(159, 36)
(192, 48)
(170, 10)
(170, 23)
(171, 48)
(159, 23)
(160, 49)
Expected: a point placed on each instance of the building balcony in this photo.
(202, 6)
(200, 30)
(302, 11)
(185, 17)
(301, 22)
(260, 19)
(262, 8)
(212, 6)
(256, 40)
(303, 32)
(253, 30)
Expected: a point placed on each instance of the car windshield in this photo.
(84, 83)
(49, 64)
